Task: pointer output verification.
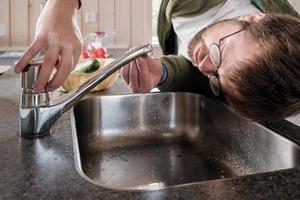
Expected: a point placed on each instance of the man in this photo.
(242, 57)
(250, 61)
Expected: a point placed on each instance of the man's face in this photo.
(238, 47)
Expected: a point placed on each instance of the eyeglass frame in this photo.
(216, 89)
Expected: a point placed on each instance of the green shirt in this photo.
(182, 75)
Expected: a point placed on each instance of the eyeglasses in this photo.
(215, 55)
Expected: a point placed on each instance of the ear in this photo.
(257, 17)
(206, 66)
(252, 17)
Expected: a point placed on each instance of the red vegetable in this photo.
(96, 53)
(99, 53)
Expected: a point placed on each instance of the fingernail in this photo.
(38, 88)
(17, 70)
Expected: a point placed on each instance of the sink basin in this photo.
(160, 140)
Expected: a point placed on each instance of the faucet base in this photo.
(35, 135)
(38, 114)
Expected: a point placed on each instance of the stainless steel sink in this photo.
(158, 140)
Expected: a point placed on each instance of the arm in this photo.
(145, 74)
(183, 76)
(57, 33)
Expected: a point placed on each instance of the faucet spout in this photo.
(38, 113)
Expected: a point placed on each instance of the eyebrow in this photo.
(223, 47)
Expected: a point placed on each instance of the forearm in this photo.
(182, 76)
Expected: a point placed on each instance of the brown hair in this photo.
(268, 86)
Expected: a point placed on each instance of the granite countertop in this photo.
(44, 168)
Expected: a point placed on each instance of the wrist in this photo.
(69, 6)
(164, 74)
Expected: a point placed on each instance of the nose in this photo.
(206, 66)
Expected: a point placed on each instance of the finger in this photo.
(76, 56)
(58, 61)
(143, 75)
(46, 69)
(65, 68)
(124, 71)
(29, 54)
(138, 73)
(133, 77)
(130, 49)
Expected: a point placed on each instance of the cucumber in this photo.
(88, 66)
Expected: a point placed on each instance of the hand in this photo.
(58, 33)
(142, 74)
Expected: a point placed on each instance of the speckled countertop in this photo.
(45, 169)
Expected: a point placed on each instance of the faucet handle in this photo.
(30, 74)
(29, 98)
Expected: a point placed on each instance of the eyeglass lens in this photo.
(214, 53)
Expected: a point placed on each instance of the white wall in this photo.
(130, 18)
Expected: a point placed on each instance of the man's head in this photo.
(259, 72)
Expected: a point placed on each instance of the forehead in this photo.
(238, 48)
(241, 47)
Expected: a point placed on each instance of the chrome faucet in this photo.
(38, 113)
